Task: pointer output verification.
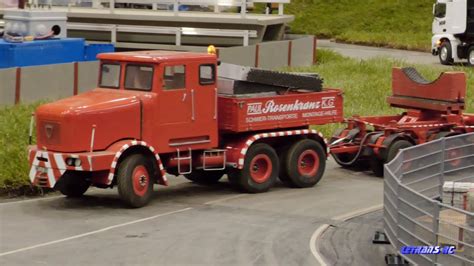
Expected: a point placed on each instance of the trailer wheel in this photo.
(135, 180)
(377, 164)
(260, 169)
(304, 163)
(73, 184)
(205, 177)
(470, 56)
(445, 53)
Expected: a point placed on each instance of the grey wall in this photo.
(299, 58)
(273, 54)
(244, 55)
(46, 82)
(7, 86)
(88, 75)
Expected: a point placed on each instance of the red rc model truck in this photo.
(158, 111)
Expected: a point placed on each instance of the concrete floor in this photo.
(184, 224)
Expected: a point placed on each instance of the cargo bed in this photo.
(293, 109)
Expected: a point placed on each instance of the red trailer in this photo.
(157, 111)
(434, 110)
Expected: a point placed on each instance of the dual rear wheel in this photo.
(299, 165)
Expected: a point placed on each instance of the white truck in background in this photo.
(453, 31)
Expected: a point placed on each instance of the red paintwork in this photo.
(283, 111)
(140, 180)
(432, 108)
(163, 119)
(308, 163)
(260, 168)
(450, 86)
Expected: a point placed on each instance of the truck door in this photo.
(175, 97)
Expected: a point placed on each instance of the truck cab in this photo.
(453, 31)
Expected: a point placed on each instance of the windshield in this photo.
(109, 75)
(440, 10)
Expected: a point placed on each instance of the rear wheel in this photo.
(205, 177)
(135, 180)
(73, 184)
(303, 164)
(260, 169)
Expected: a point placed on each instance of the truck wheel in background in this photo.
(470, 56)
(205, 177)
(445, 53)
(135, 180)
(303, 164)
(260, 169)
(73, 184)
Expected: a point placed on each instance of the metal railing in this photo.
(176, 31)
(171, 5)
(414, 214)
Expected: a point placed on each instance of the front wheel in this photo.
(135, 180)
(304, 163)
(445, 53)
(260, 169)
(73, 184)
(470, 56)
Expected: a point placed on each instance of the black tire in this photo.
(395, 147)
(261, 160)
(470, 56)
(73, 184)
(135, 180)
(376, 165)
(445, 53)
(205, 177)
(306, 171)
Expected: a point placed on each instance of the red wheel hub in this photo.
(141, 180)
(308, 163)
(260, 168)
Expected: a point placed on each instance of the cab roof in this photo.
(155, 56)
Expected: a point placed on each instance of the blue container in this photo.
(44, 52)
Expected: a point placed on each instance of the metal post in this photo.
(246, 38)
(443, 158)
(216, 6)
(280, 9)
(178, 36)
(113, 34)
(112, 6)
(435, 228)
(176, 7)
(243, 8)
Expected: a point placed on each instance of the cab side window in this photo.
(138, 77)
(174, 77)
(207, 74)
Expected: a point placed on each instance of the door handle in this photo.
(184, 97)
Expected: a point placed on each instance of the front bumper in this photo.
(47, 167)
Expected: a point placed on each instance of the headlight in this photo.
(75, 162)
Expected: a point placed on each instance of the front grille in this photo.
(49, 132)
